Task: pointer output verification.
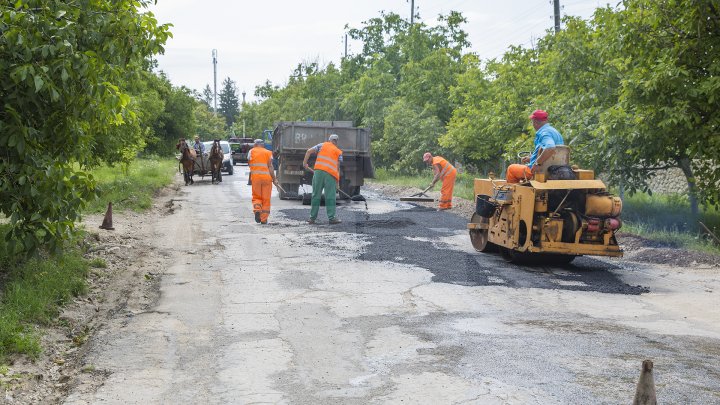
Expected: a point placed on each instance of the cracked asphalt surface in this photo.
(394, 305)
(415, 235)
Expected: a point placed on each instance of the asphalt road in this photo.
(394, 306)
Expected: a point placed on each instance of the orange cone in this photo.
(645, 392)
(107, 221)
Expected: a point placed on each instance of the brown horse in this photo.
(216, 159)
(187, 160)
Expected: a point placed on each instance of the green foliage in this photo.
(668, 219)
(409, 132)
(173, 114)
(64, 73)
(668, 109)
(34, 290)
(633, 90)
(134, 188)
(209, 125)
(228, 102)
(670, 213)
(208, 97)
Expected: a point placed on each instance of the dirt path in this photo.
(200, 304)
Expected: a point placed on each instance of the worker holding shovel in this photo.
(443, 171)
(326, 175)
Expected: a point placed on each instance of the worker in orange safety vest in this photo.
(326, 176)
(263, 177)
(443, 171)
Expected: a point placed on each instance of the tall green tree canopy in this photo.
(228, 103)
(64, 73)
(633, 90)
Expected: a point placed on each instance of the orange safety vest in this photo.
(445, 166)
(260, 163)
(328, 159)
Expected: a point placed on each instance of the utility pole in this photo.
(243, 107)
(556, 6)
(214, 56)
(412, 12)
(345, 46)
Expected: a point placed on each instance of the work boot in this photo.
(311, 221)
(334, 221)
(263, 222)
(257, 217)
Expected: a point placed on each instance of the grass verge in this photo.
(34, 290)
(667, 219)
(662, 218)
(132, 188)
(464, 185)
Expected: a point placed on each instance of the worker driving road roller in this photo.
(546, 210)
(546, 138)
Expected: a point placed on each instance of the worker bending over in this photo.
(546, 138)
(326, 175)
(443, 171)
(263, 177)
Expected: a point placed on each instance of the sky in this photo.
(259, 40)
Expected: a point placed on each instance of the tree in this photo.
(65, 67)
(668, 110)
(492, 105)
(410, 132)
(208, 97)
(229, 104)
(208, 124)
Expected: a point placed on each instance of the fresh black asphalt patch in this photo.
(412, 236)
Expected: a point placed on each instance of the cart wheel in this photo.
(479, 237)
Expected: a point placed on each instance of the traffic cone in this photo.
(645, 392)
(107, 221)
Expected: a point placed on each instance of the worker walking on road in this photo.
(326, 176)
(263, 177)
(546, 138)
(443, 171)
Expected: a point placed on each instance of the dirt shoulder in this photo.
(129, 284)
(636, 248)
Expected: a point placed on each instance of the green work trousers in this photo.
(323, 180)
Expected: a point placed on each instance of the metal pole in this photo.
(243, 107)
(345, 46)
(214, 56)
(556, 6)
(412, 12)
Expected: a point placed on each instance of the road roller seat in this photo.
(561, 157)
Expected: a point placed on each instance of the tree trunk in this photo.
(685, 165)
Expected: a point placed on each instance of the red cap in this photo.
(427, 156)
(539, 115)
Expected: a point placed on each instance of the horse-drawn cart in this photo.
(203, 164)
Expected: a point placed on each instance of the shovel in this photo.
(419, 197)
(353, 198)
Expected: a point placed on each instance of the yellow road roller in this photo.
(561, 213)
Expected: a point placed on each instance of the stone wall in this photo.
(670, 181)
